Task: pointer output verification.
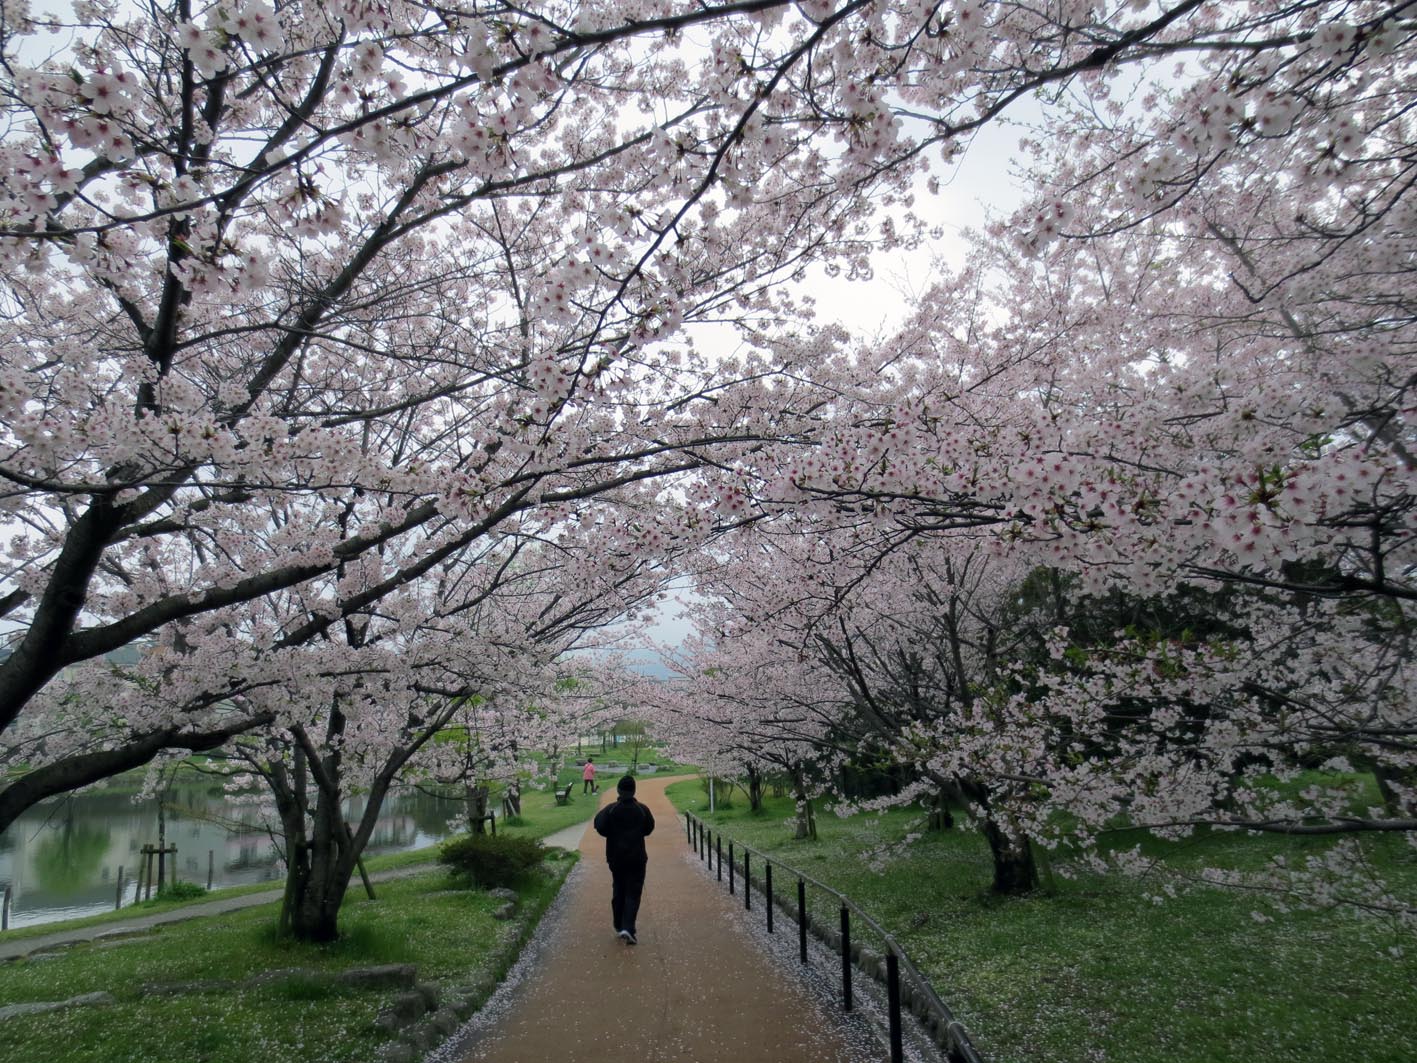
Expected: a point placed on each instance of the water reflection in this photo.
(62, 859)
(66, 859)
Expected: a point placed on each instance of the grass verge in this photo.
(1094, 969)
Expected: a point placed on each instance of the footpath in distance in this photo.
(696, 988)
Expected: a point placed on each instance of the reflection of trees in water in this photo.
(430, 813)
(68, 860)
(70, 841)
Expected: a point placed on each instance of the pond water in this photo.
(61, 859)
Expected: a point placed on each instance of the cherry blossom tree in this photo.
(1184, 369)
(426, 264)
(376, 701)
(302, 304)
(294, 293)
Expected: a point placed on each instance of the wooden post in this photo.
(211, 867)
(5, 910)
(359, 862)
(118, 894)
(162, 852)
(148, 872)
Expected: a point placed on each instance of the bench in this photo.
(563, 795)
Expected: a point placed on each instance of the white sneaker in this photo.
(629, 937)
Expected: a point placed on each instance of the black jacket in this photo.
(624, 826)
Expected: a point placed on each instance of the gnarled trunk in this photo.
(937, 806)
(475, 800)
(320, 861)
(755, 789)
(1014, 870)
(512, 799)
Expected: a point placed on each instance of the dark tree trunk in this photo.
(319, 881)
(806, 815)
(512, 799)
(938, 804)
(1393, 782)
(321, 850)
(1014, 869)
(755, 789)
(475, 797)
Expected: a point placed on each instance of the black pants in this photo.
(587, 785)
(628, 883)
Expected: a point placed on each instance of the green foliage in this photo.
(490, 861)
(722, 791)
(177, 890)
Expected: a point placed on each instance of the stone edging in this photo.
(428, 1014)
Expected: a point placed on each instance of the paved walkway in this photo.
(697, 988)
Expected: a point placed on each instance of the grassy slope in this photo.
(1096, 971)
(450, 934)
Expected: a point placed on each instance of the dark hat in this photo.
(626, 785)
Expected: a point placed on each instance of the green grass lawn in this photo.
(1093, 969)
(450, 934)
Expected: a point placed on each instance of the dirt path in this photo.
(697, 989)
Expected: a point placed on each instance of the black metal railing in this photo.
(949, 1035)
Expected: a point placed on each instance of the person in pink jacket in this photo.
(588, 777)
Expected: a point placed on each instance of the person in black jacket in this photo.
(624, 826)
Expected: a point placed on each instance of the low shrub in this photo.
(488, 861)
(177, 890)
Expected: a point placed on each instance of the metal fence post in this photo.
(961, 1050)
(767, 890)
(211, 867)
(845, 959)
(118, 893)
(747, 883)
(5, 910)
(893, 1001)
(688, 828)
(802, 919)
